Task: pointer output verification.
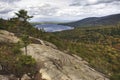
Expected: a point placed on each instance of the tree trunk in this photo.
(26, 50)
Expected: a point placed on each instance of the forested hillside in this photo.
(96, 21)
(100, 46)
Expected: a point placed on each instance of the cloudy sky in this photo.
(60, 10)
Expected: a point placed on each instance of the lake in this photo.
(53, 27)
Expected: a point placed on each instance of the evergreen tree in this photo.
(23, 15)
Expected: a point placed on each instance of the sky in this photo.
(59, 10)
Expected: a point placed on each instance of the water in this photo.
(53, 27)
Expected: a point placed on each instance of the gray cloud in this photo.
(87, 3)
(45, 10)
(60, 9)
(107, 1)
(5, 11)
(10, 1)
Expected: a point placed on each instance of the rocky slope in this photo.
(6, 36)
(56, 65)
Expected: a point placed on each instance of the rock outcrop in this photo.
(3, 77)
(6, 36)
(57, 65)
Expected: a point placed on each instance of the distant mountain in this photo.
(96, 21)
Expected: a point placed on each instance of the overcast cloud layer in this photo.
(60, 10)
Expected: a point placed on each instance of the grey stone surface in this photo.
(6, 36)
(3, 77)
(61, 66)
